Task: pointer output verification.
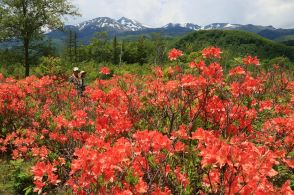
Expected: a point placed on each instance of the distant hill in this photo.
(287, 40)
(277, 33)
(236, 42)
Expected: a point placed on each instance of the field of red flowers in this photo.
(188, 129)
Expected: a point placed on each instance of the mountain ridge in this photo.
(125, 26)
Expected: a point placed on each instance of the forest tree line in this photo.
(101, 49)
(104, 49)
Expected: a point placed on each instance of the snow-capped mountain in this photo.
(129, 25)
(182, 25)
(192, 26)
(228, 26)
(101, 22)
(132, 25)
(220, 26)
(123, 24)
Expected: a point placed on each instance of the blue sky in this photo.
(279, 13)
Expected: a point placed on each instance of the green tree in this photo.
(72, 47)
(122, 50)
(159, 48)
(26, 20)
(142, 55)
(282, 61)
(129, 52)
(100, 48)
(115, 59)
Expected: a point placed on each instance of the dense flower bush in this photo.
(189, 129)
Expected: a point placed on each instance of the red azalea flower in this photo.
(211, 52)
(158, 71)
(249, 60)
(38, 186)
(174, 54)
(237, 70)
(104, 70)
(192, 65)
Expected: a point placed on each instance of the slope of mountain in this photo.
(132, 25)
(255, 28)
(189, 26)
(237, 43)
(214, 26)
(289, 42)
(228, 26)
(277, 33)
(101, 22)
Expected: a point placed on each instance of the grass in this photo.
(6, 177)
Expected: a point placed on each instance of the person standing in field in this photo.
(74, 78)
(82, 85)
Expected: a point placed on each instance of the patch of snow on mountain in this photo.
(231, 26)
(130, 24)
(183, 25)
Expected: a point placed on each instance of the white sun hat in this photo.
(76, 69)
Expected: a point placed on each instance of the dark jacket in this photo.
(76, 81)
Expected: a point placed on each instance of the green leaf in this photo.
(28, 190)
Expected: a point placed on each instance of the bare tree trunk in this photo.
(26, 58)
(120, 55)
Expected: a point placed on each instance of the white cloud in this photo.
(278, 13)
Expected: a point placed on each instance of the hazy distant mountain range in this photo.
(129, 27)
